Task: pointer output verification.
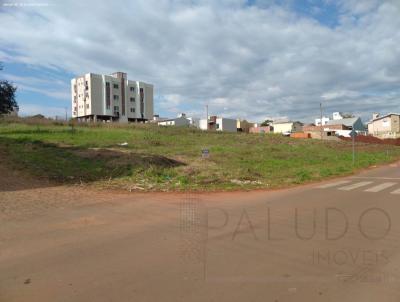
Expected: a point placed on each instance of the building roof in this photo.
(313, 128)
(172, 119)
(383, 116)
(348, 122)
(286, 122)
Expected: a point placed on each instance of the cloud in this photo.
(358, 7)
(170, 102)
(249, 61)
(52, 88)
(340, 94)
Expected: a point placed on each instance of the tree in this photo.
(348, 115)
(7, 96)
(266, 123)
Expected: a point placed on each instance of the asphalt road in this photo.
(333, 241)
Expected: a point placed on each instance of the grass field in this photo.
(169, 159)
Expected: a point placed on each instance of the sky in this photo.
(250, 59)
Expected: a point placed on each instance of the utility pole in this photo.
(207, 115)
(353, 135)
(322, 130)
(354, 148)
(66, 113)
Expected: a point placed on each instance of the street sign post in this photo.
(205, 153)
(353, 135)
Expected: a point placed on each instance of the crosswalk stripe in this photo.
(356, 186)
(396, 192)
(334, 184)
(378, 178)
(381, 187)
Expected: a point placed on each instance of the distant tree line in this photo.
(267, 123)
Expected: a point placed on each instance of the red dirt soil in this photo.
(373, 140)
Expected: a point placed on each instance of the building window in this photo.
(132, 109)
(115, 86)
(132, 89)
(132, 100)
(116, 97)
(108, 95)
(87, 106)
(116, 108)
(141, 102)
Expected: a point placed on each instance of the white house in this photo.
(340, 125)
(226, 124)
(351, 123)
(337, 116)
(325, 120)
(287, 127)
(181, 120)
(218, 124)
(203, 124)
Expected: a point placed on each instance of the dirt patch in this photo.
(373, 140)
(13, 180)
(116, 157)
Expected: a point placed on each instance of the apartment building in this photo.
(112, 97)
(386, 126)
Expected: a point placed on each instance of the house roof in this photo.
(282, 122)
(173, 119)
(384, 116)
(286, 122)
(167, 120)
(348, 122)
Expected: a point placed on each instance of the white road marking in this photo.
(356, 186)
(396, 192)
(383, 178)
(381, 187)
(334, 184)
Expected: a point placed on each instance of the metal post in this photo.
(354, 149)
(207, 115)
(322, 130)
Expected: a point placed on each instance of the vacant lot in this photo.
(147, 157)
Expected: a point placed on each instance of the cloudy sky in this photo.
(244, 58)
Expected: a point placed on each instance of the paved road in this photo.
(332, 241)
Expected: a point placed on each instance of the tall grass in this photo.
(237, 160)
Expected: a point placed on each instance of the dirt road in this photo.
(335, 241)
